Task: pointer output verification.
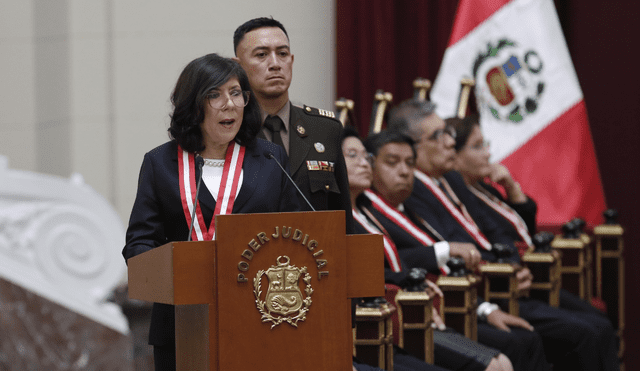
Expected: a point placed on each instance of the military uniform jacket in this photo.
(316, 161)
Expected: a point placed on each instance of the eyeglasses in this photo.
(217, 100)
(482, 145)
(437, 135)
(354, 156)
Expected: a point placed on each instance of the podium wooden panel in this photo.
(217, 285)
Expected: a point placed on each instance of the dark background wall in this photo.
(387, 44)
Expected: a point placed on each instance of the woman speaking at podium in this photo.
(213, 147)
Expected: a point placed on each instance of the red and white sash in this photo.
(390, 250)
(503, 209)
(226, 193)
(398, 218)
(402, 221)
(464, 220)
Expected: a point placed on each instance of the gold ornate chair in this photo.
(610, 271)
(544, 264)
(574, 259)
(500, 280)
(373, 333)
(458, 309)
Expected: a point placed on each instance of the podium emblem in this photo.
(283, 300)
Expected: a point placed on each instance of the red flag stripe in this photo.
(558, 168)
(470, 14)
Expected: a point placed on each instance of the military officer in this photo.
(310, 136)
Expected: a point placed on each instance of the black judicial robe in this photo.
(427, 206)
(395, 278)
(411, 251)
(527, 210)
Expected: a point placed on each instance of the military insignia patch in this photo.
(313, 165)
(320, 112)
(509, 82)
(320, 166)
(301, 131)
(283, 300)
(319, 147)
(326, 113)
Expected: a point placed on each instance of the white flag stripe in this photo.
(533, 25)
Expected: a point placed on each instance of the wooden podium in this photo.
(272, 292)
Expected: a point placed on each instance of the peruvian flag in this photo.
(530, 103)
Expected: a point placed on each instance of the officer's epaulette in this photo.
(319, 112)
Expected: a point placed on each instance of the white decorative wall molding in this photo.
(61, 240)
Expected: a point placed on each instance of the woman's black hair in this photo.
(349, 131)
(199, 78)
(463, 127)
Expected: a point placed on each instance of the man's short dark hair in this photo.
(253, 24)
(189, 98)
(405, 115)
(376, 141)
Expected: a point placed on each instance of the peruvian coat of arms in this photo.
(509, 81)
(283, 301)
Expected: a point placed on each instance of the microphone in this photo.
(270, 155)
(200, 163)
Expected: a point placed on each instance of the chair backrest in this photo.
(345, 111)
(412, 321)
(381, 101)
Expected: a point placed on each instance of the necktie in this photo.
(275, 125)
(446, 193)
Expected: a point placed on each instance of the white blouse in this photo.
(212, 176)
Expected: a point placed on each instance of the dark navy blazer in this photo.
(158, 217)
(526, 210)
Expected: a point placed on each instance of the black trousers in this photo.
(524, 348)
(455, 352)
(401, 362)
(575, 336)
(164, 357)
